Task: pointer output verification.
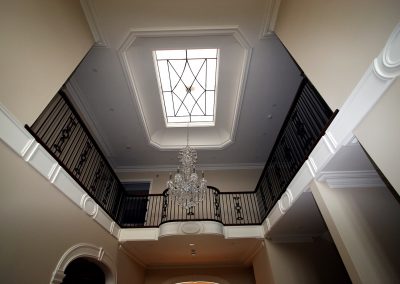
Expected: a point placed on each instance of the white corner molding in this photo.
(285, 201)
(86, 251)
(321, 154)
(270, 17)
(158, 135)
(266, 225)
(138, 234)
(352, 179)
(301, 182)
(92, 19)
(237, 232)
(273, 217)
(41, 160)
(13, 133)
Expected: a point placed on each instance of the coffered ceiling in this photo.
(115, 86)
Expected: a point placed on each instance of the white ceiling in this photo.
(234, 52)
(301, 222)
(103, 94)
(209, 250)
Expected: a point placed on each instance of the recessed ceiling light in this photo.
(191, 245)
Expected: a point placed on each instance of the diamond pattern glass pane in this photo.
(187, 81)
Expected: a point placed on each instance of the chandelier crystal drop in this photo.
(185, 186)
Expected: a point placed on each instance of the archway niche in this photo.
(84, 254)
(84, 271)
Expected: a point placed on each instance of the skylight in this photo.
(187, 82)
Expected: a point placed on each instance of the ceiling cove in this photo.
(137, 62)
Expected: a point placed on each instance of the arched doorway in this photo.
(91, 257)
(83, 271)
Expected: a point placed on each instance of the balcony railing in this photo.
(228, 208)
(60, 130)
(63, 134)
(306, 122)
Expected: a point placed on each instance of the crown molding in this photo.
(352, 179)
(92, 19)
(270, 17)
(207, 167)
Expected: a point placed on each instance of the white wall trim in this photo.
(236, 232)
(270, 17)
(351, 179)
(86, 251)
(191, 228)
(92, 19)
(138, 234)
(13, 134)
(387, 64)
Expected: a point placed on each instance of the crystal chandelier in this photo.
(185, 186)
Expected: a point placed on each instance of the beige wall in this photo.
(379, 134)
(128, 270)
(335, 41)
(39, 224)
(364, 226)
(262, 267)
(42, 42)
(224, 180)
(231, 275)
(305, 263)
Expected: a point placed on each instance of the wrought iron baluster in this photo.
(238, 208)
(65, 134)
(83, 158)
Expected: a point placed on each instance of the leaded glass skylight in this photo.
(187, 82)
